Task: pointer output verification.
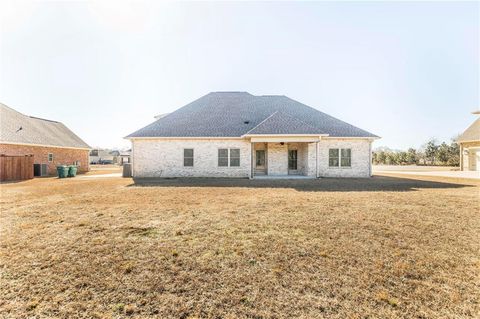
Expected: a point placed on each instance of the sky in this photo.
(406, 71)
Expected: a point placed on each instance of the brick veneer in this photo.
(40, 153)
(164, 158)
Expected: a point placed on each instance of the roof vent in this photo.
(246, 122)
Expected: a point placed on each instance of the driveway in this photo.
(426, 171)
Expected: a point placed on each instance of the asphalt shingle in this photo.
(472, 133)
(233, 114)
(16, 127)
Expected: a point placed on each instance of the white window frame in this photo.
(193, 156)
(340, 157)
(50, 157)
(229, 149)
(340, 163)
(223, 157)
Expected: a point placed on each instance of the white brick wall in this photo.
(277, 159)
(360, 158)
(312, 154)
(164, 158)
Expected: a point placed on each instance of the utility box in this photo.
(127, 170)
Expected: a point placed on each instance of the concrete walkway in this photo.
(283, 177)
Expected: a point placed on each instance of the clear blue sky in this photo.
(406, 71)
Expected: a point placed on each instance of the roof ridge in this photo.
(39, 118)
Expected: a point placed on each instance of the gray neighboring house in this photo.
(237, 134)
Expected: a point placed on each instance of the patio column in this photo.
(252, 145)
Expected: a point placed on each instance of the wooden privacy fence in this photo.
(14, 168)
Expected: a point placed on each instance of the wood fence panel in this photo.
(14, 168)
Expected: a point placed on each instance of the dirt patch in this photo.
(385, 247)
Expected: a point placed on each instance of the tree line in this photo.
(431, 153)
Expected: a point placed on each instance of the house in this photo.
(470, 146)
(102, 156)
(50, 142)
(236, 134)
(125, 157)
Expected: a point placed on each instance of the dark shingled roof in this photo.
(472, 133)
(233, 114)
(282, 123)
(16, 127)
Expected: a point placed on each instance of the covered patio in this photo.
(284, 156)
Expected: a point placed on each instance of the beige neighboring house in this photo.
(470, 146)
(237, 134)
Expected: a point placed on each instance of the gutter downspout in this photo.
(316, 159)
(370, 159)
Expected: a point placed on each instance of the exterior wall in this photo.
(164, 158)
(469, 161)
(361, 158)
(277, 159)
(61, 156)
(311, 169)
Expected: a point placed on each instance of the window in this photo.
(228, 157)
(333, 157)
(94, 153)
(50, 157)
(292, 159)
(346, 157)
(223, 157)
(234, 157)
(340, 157)
(188, 157)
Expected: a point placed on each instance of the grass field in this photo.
(386, 247)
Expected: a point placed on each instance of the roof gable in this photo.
(17, 128)
(282, 123)
(233, 114)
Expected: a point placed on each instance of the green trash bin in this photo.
(72, 171)
(62, 171)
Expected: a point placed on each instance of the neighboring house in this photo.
(125, 157)
(102, 156)
(50, 142)
(236, 134)
(470, 146)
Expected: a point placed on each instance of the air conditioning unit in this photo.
(40, 170)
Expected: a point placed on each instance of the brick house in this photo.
(50, 142)
(236, 134)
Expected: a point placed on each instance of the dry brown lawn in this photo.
(386, 247)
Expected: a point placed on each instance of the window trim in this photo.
(193, 157)
(340, 166)
(48, 157)
(349, 157)
(229, 157)
(330, 157)
(223, 157)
